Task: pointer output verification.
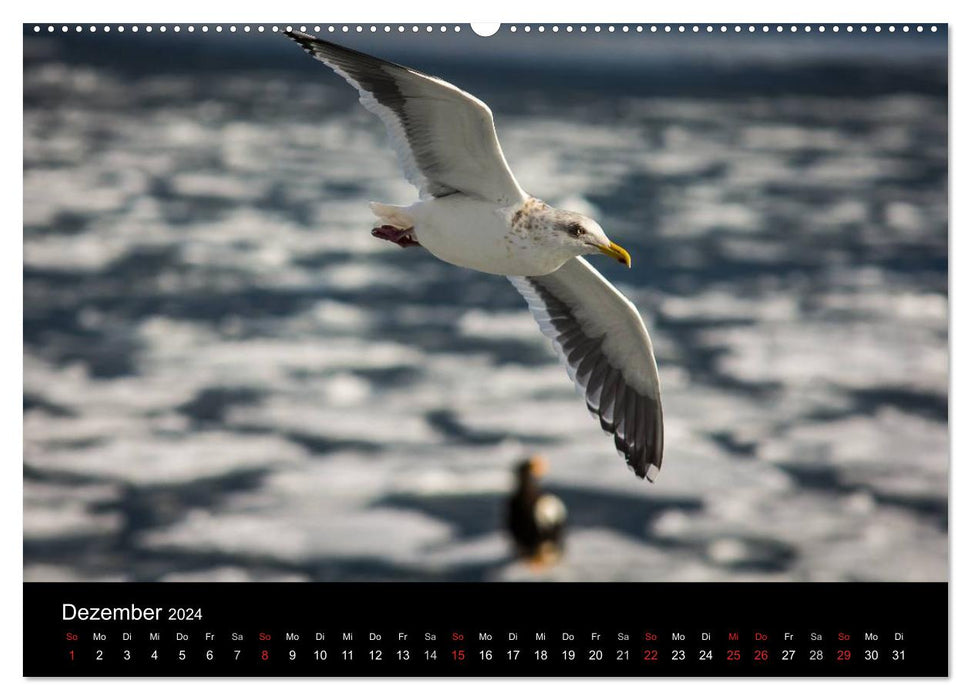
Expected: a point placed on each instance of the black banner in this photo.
(475, 629)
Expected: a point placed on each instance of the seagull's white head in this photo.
(585, 235)
(566, 232)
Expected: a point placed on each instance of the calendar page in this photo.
(519, 350)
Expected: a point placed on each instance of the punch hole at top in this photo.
(485, 28)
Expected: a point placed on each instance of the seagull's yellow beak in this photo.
(616, 252)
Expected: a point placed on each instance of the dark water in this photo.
(226, 377)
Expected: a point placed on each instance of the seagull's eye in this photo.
(575, 230)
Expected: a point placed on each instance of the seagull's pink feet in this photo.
(405, 237)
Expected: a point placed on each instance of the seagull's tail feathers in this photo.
(391, 215)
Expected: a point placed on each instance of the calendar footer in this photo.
(486, 629)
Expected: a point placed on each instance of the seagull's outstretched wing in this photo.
(601, 338)
(445, 138)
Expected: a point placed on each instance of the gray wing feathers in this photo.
(445, 138)
(601, 339)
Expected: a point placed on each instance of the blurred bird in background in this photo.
(536, 519)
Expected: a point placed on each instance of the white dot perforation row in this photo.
(542, 29)
(719, 28)
(246, 28)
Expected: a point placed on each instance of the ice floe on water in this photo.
(227, 378)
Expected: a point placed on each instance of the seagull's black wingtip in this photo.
(302, 38)
(298, 35)
(648, 472)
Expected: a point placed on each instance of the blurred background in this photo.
(227, 378)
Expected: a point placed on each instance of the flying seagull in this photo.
(472, 213)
